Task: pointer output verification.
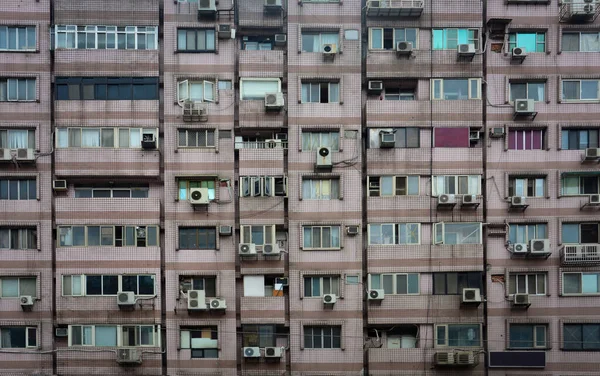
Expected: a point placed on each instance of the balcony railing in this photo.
(579, 11)
(395, 8)
(580, 254)
(270, 144)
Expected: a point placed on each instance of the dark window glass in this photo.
(129, 283)
(454, 283)
(146, 285)
(589, 233)
(197, 238)
(110, 284)
(93, 285)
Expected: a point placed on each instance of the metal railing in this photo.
(271, 144)
(580, 254)
(579, 11)
(395, 4)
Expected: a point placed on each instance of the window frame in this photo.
(394, 41)
(319, 185)
(255, 79)
(581, 283)
(522, 132)
(579, 81)
(333, 330)
(320, 33)
(394, 276)
(445, 38)
(206, 182)
(331, 85)
(566, 134)
(10, 88)
(209, 231)
(470, 82)
(395, 233)
(580, 184)
(83, 284)
(579, 33)
(27, 328)
(106, 88)
(204, 278)
(581, 344)
(184, 88)
(535, 339)
(457, 185)
(525, 182)
(214, 336)
(7, 192)
(208, 135)
(446, 327)
(263, 186)
(119, 335)
(375, 186)
(524, 229)
(126, 230)
(321, 227)
(514, 284)
(515, 35)
(527, 90)
(197, 31)
(25, 236)
(313, 133)
(247, 230)
(18, 30)
(465, 277)
(66, 136)
(334, 284)
(119, 34)
(20, 292)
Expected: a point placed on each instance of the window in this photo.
(527, 90)
(449, 39)
(259, 235)
(321, 237)
(455, 137)
(388, 186)
(196, 138)
(523, 233)
(580, 42)
(265, 186)
(532, 284)
(203, 341)
(206, 283)
(195, 40)
(101, 191)
(394, 233)
(314, 41)
(258, 335)
(17, 38)
(388, 38)
(527, 187)
(532, 42)
(18, 189)
(18, 238)
(320, 92)
(321, 285)
(321, 189)
(454, 283)
(580, 90)
(257, 42)
(322, 337)
(457, 233)
(107, 285)
(456, 185)
(313, 140)
(185, 185)
(225, 85)
(581, 283)
(106, 88)
(458, 335)
(579, 139)
(107, 335)
(18, 337)
(527, 336)
(197, 238)
(110, 236)
(581, 337)
(105, 37)
(102, 137)
(573, 185)
(255, 89)
(395, 283)
(526, 139)
(197, 91)
(408, 137)
(350, 34)
(580, 233)
(398, 94)
(17, 89)
(455, 89)
(14, 287)
(17, 138)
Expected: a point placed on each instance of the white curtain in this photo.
(135, 138)
(5, 338)
(90, 137)
(590, 41)
(257, 89)
(17, 139)
(10, 288)
(329, 38)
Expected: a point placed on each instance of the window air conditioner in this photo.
(226, 32)
(329, 298)
(61, 332)
(273, 4)
(387, 139)
(246, 249)
(196, 300)
(148, 141)
(199, 196)
(273, 144)
(376, 294)
(497, 132)
(592, 153)
(126, 298)
(225, 230)
(59, 185)
(375, 86)
(464, 358)
(444, 358)
(280, 39)
(207, 6)
(352, 230)
(271, 249)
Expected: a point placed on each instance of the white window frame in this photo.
(320, 34)
(83, 279)
(23, 236)
(316, 133)
(248, 229)
(535, 327)
(58, 30)
(63, 137)
(333, 279)
(155, 335)
(184, 87)
(516, 276)
(9, 82)
(18, 31)
(321, 227)
(510, 88)
(580, 40)
(475, 41)
(319, 83)
(456, 178)
(568, 100)
(395, 282)
(266, 79)
(376, 182)
(64, 230)
(261, 186)
(437, 345)
(396, 233)
(440, 228)
(525, 183)
(18, 278)
(581, 293)
(470, 82)
(563, 180)
(27, 329)
(395, 42)
(196, 132)
(318, 185)
(183, 338)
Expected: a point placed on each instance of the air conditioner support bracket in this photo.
(472, 206)
(466, 58)
(517, 208)
(517, 59)
(530, 115)
(588, 205)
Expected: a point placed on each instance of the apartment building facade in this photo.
(262, 187)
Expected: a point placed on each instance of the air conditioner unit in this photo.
(251, 352)
(519, 248)
(592, 153)
(329, 50)
(594, 200)
(271, 249)
(140, 232)
(466, 49)
(61, 332)
(198, 196)
(374, 4)
(471, 295)
(376, 86)
(524, 106)
(59, 185)
(126, 298)
(539, 245)
(521, 300)
(26, 301)
(274, 101)
(217, 304)
(474, 136)
(129, 356)
(273, 144)
(445, 199)
(518, 201)
(519, 53)
(272, 4)
(246, 249)
(148, 141)
(352, 230)
(587, 9)
(207, 6)
(404, 48)
(497, 132)
(19, 154)
(464, 358)
(196, 300)
(444, 358)
(324, 157)
(273, 352)
(280, 39)
(226, 32)
(225, 230)
(376, 294)
(387, 139)
(329, 298)
(469, 199)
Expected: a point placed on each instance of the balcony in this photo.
(395, 8)
(262, 310)
(107, 162)
(107, 210)
(580, 254)
(267, 63)
(579, 11)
